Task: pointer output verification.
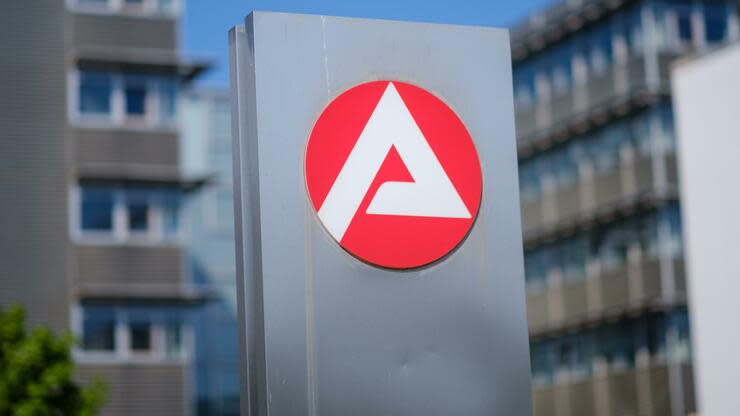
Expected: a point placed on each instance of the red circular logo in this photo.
(393, 174)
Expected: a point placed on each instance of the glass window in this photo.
(715, 22)
(600, 50)
(565, 164)
(138, 215)
(561, 69)
(685, 32)
(95, 93)
(529, 180)
(173, 338)
(166, 6)
(524, 84)
(135, 94)
(534, 270)
(615, 246)
(633, 28)
(97, 209)
(617, 345)
(607, 145)
(574, 257)
(542, 362)
(168, 100)
(140, 336)
(98, 330)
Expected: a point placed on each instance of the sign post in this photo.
(377, 217)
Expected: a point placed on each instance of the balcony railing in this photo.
(116, 31)
(643, 391)
(604, 295)
(107, 153)
(141, 388)
(631, 84)
(133, 272)
(624, 189)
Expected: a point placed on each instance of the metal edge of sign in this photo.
(250, 311)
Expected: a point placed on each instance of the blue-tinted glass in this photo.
(98, 329)
(140, 336)
(168, 94)
(95, 93)
(542, 365)
(138, 216)
(524, 89)
(715, 22)
(170, 216)
(529, 180)
(173, 338)
(685, 31)
(574, 253)
(97, 209)
(600, 42)
(565, 165)
(166, 6)
(135, 93)
(534, 269)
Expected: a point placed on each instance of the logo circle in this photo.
(393, 175)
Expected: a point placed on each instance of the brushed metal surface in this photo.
(339, 336)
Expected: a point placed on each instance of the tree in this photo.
(36, 372)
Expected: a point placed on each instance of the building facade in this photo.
(206, 122)
(91, 175)
(606, 285)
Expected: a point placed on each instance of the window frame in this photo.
(158, 319)
(154, 117)
(157, 231)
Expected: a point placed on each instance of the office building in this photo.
(606, 277)
(706, 88)
(209, 217)
(92, 191)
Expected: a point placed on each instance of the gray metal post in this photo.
(323, 333)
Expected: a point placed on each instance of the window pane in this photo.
(95, 93)
(138, 216)
(97, 209)
(168, 94)
(173, 338)
(135, 93)
(98, 332)
(141, 336)
(166, 6)
(715, 22)
(684, 28)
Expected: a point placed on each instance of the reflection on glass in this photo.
(95, 93)
(98, 330)
(97, 209)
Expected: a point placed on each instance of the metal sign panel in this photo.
(378, 230)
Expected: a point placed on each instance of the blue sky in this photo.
(206, 22)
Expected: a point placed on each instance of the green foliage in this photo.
(36, 372)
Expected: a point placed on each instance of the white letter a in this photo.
(430, 195)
